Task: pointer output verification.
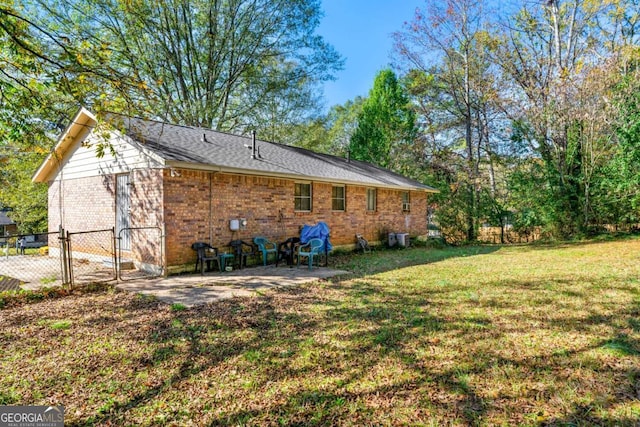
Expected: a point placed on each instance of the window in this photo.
(406, 202)
(371, 199)
(302, 198)
(337, 198)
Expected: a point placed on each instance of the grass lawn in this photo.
(524, 335)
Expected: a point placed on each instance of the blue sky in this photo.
(360, 30)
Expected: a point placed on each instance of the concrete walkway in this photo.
(194, 289)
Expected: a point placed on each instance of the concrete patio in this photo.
(194, 289)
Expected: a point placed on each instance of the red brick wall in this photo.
(87, 204)
(146, 198)
(199, 206)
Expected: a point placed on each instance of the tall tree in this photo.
(232, 65)
(229, 65)
(444, 51)
(343, 122)
(618, 197)
(329, 133)
(386, 124)
(30, 109)
(553, 53)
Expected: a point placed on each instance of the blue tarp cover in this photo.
(320, 231)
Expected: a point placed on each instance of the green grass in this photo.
(61, 324)
(12, 251)
(49, 280)
(178, 307)
(522, 335)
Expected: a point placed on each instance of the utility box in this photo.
(234, 225)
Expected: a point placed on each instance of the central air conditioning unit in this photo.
(403, 239)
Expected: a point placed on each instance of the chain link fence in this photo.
(91, 256)
(73, 258)
(142, 256)
(25, 261)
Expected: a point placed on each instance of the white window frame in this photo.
(370, 192)
(406, 201)
(335, 199)
(301, 197)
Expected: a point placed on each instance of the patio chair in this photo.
(206, 253)
(286, 250)
(242, 250)
(266, 247)
(312, 249)
(362, 244)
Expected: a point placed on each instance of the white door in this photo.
(123, 211)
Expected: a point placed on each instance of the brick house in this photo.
(192, 182)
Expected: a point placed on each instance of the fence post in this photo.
(116, 255)
(119, 255)
(69, 259)
(63, 257)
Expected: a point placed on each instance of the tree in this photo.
(30, 109)
(23, 146)
(343, 122)
(228, 65)
(444, 50)
(529, 116)
(619, 189)
(329, 133)
(547, 52)
(386, 124)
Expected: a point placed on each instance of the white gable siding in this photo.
(82, 161)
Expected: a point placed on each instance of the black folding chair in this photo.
(206, 253)
(286, 250)
(242, 250)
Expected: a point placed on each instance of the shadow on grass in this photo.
(380, 261)
(376, 330)
(371, 344)
(583, 415)
(257, 319)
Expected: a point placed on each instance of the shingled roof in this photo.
(4, 219)
(199, 148)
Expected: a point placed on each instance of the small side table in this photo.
(223, 259)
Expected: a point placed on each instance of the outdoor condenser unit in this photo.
(403, 239)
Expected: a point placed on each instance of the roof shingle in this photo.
(208, 148)
(4, 219)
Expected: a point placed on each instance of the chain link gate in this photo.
(68, 258)
(144, 258)
(90, 256)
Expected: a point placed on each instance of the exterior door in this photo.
(123, 212)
